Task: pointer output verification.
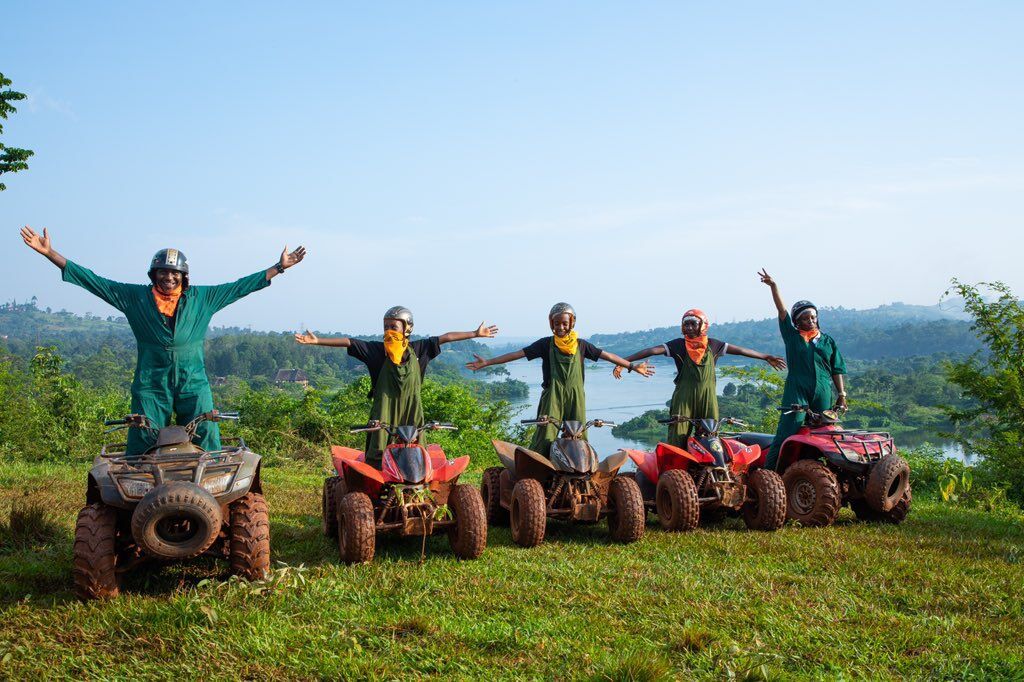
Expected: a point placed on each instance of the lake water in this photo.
(621, 400)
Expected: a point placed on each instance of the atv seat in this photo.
(171, 435)
(750, 438)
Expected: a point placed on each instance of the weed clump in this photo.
(30, 523)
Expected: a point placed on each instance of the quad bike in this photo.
(175, 501)
(416, 492)
(710, 477)
(571, 485)
(824, 466)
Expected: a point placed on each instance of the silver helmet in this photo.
(559, 308)
(401, 313)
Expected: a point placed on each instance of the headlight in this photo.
(133, 487)
(242, 483)
(216, 484)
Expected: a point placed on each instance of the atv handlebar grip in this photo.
(112, 422)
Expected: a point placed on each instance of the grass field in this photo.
(941, 596)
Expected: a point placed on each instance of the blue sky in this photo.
(484, 160)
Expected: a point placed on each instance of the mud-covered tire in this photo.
(528, 517)
(334, 490)
(765, 508)
(812, 493)
(490, 492)
(94, 567)
(896, 515)
(249, 541)
(468, 536)
(626, 516)
(357, 533)
(887, 483)
(157, 522)
(676, 501)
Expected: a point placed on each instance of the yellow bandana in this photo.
(167, 303)
(395, 344)
(567, 344)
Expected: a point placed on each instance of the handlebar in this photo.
(141, 421)
(676, 418)
(378, 426)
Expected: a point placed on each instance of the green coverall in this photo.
(694, 396)
(396, 401)
(563, 399)
(170, 372)
(809, 382)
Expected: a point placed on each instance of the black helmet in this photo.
(170, 259)
(400, 313)
(799, 307)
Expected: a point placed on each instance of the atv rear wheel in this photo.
(490, 491)
(765, 508)
(676, 501)
(527, 515)
(627, 515)
(334, 490)
(896, 515)
(357, 534)
(468, 536)
(812, 493)
(887, 482)
(249, 543)
(95, 553)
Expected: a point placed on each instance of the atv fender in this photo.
(646, 462)
(743, 456)
(340, 455)
(529, 464)
(506, 453)
(802, 446)
(447, 471)
(672, 457)
(102, 485)
(612, 463)
(251, 465)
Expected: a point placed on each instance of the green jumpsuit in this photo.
(694, 395)
(396, 401)
(170, 372)
(563, 399)
(809, 382)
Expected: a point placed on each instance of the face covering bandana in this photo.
(810, 335)
(567, 344)
(696, 348)
(395, 344)
(167, 303)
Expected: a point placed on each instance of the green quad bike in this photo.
(174, 502)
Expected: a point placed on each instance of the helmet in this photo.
(560, 308)
(799, 307)
(170, 259)
(400, 313)
(699, 315)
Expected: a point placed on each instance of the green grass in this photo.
(941, 596)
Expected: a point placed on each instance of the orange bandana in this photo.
(167, 303)
(395, 344)
(696, 348)
(810, 335)
(567, 344)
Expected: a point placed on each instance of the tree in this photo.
(993, 426)
(12, 159)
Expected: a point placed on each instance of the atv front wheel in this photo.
(887, 482)
(812, 493)
(765, 508)
(896, 515)
(627, 515)
(95, 553)
(490, 491)
(527, 516)
(468, 536)
(676, 501)
(334, 490)
(249, 543)
(357, 535)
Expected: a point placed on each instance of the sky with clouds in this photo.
(485, 160)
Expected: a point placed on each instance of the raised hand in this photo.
(766, 278)
(645, 368)
(40, 244)
(776, 362)
(290, 259)
(479, 363)
(307, 338)
(486, 331)
(617, 372)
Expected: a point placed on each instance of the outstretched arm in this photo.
(483, 331)
(643, 368)
(41, 244)
(775, 361)
(776, 296)
(286, 261)
(480, 362)
(311, 339)
(639, 355)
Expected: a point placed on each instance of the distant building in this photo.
(291, 376)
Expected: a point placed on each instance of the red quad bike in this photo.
(824, 466)
(174, 502)
(712, 476)
(416, 493)
(572, 486)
